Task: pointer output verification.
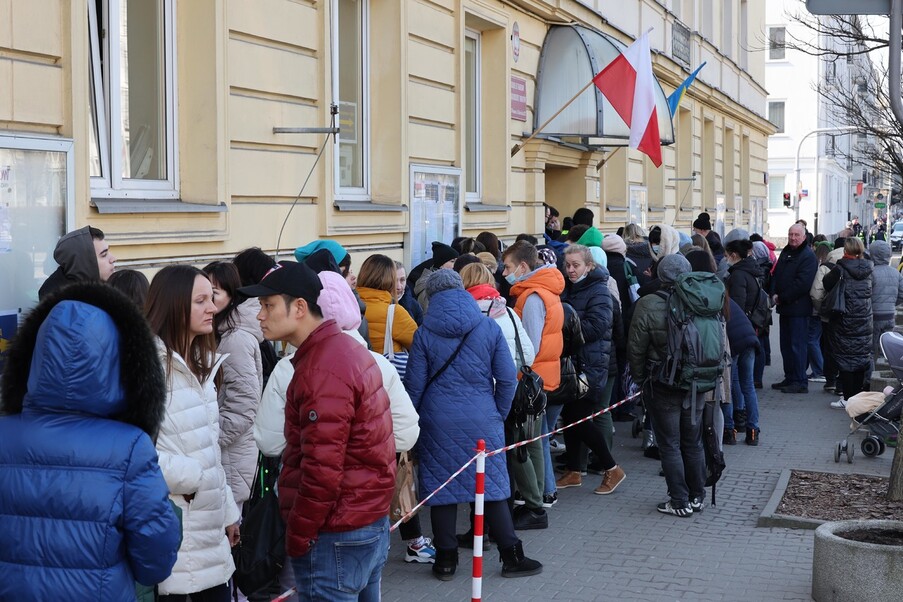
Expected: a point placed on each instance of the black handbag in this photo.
(529, 397)
(574, 383)
(835, 303)
(260, 554)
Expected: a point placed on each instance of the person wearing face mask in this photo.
(536, 291)
(588, 294)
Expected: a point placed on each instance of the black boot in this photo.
(515, 564)
(446, 564)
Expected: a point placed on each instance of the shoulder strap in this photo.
(520, 348)
(448, 362)
(388, 344)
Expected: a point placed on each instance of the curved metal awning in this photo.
(571, 56)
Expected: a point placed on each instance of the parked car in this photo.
(896, 236)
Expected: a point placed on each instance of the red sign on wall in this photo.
(518, 98)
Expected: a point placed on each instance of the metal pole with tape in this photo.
(477, 585)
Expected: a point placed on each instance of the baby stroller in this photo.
(882, 418)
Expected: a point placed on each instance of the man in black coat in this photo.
(790, 286)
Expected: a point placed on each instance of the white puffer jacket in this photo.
(496, 309)
(270, 421)
(189, 454)
(239, 397)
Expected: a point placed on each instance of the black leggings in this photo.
(590, 433)
(220, 593)
(851, 382)
(498, 518)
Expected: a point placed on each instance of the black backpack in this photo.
(760, 314)
(269, 359)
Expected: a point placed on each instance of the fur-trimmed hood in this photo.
(86, 349)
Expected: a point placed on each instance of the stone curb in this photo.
(770, 517)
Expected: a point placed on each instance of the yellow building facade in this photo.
(154, 121)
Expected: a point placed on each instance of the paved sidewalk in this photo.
(618, 547)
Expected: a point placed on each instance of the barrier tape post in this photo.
(477, 585)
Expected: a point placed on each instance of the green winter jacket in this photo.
(648, 337)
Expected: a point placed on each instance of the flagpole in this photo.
(518, 147)
(607, 157)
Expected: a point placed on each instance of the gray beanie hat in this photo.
(672, 266)
(443, 280)
(735, 234)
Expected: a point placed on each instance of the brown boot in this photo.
(571, 478)
(610, 481)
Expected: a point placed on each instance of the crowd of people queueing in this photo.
(135, 413)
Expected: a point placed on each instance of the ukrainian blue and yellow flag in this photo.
(678, 94)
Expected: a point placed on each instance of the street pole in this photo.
(799, 148)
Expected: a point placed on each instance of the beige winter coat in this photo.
(817, 292)
(239, 397)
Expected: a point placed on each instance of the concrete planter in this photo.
(844, 569)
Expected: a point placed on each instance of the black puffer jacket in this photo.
(851, 336)
(743, 283)
(641, 255)
(593, 303)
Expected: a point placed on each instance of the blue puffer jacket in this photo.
(740, 333)
(469, 400)
(83, 505)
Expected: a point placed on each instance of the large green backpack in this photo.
(695, 357)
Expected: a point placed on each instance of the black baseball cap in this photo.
(287, 278)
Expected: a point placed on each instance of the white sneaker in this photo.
(840, 404)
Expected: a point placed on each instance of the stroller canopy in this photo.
(892, 347)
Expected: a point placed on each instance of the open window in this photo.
(133, 150)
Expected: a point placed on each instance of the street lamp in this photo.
(799, 148)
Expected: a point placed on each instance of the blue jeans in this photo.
(794, 349)
(762, 358)
(679, 442)
(548, 423)
(816, 362)
(344, 566)
(743, 391)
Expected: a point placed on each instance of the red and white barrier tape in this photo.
(505, 449)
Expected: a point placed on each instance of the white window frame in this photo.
(348, 193)
(108, 107)
(476, 36)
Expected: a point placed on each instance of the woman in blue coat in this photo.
(83, 505)
(461, 379)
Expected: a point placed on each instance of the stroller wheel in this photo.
(870, 446)
(850, 450)
(636, 428)
(881, 446)
(837, 449)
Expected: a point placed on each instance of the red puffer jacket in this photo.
(339, 459)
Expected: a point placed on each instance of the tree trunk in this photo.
(895, 486)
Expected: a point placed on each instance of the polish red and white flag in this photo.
(629, 85)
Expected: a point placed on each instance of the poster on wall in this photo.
(35, 184)
(8, 324)
(435, 209)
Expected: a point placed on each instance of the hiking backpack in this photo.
(695, 357)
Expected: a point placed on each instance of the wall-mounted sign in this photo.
(518, 98)
(515, 41)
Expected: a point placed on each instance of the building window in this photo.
(776, 115)
(776, 41)
(132, 149)
(472, 99)
(776, 192)
(830, 146)
(350, 90)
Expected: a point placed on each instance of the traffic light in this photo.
(786, 199)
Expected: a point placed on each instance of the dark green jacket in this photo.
(648, 336)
